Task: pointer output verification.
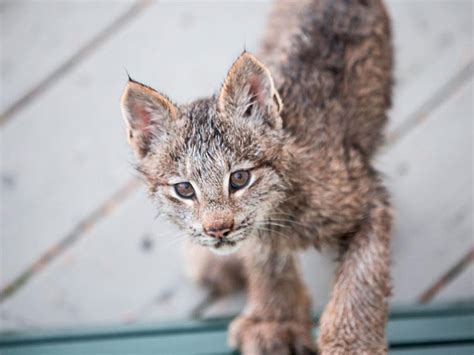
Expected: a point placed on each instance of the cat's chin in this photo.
(226, 249)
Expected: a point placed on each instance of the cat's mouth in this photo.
(225, 247)
(230, 244)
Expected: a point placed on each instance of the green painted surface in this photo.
(418, 331)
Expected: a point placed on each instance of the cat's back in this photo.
(332, 65)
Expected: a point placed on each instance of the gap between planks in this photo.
(447, 277)
(78, 231)
(430, 105)
(74, 60)
(419, 115)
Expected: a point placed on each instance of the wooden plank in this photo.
(114, 274)
(83, 159)
(150, 347)
(153, 348)
(49, 33)
(427, 330)
(436, 309)
(406, 312)
(404, 334)
(9, 321)
(432, 43)
(431, 184)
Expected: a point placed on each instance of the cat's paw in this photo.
(346, 347)
(355, 350)
(255, 337)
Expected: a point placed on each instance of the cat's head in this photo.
(212, 165)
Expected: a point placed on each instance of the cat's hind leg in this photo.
(221, 274)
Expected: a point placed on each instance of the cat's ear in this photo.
(249, 91)
(147, 113)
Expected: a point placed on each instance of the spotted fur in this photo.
(306, 123)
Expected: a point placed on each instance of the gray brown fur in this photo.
(308, 123)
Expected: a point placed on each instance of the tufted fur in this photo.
(306, 123)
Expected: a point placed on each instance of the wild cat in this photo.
(278, 160)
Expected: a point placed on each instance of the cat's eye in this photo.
(239, 179)
(184, 190)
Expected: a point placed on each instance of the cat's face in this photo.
(210, 165)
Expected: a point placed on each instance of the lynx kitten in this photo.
(278, 160)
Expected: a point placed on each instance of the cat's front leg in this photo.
(277, 318)
(354, 319)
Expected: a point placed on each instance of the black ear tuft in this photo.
(128, 75)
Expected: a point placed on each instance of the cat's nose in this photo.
(218, 230)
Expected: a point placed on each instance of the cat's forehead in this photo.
(199, 110)
(213, 144)
(209, 131)
(205, 129)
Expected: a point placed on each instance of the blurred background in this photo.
(80, 244)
